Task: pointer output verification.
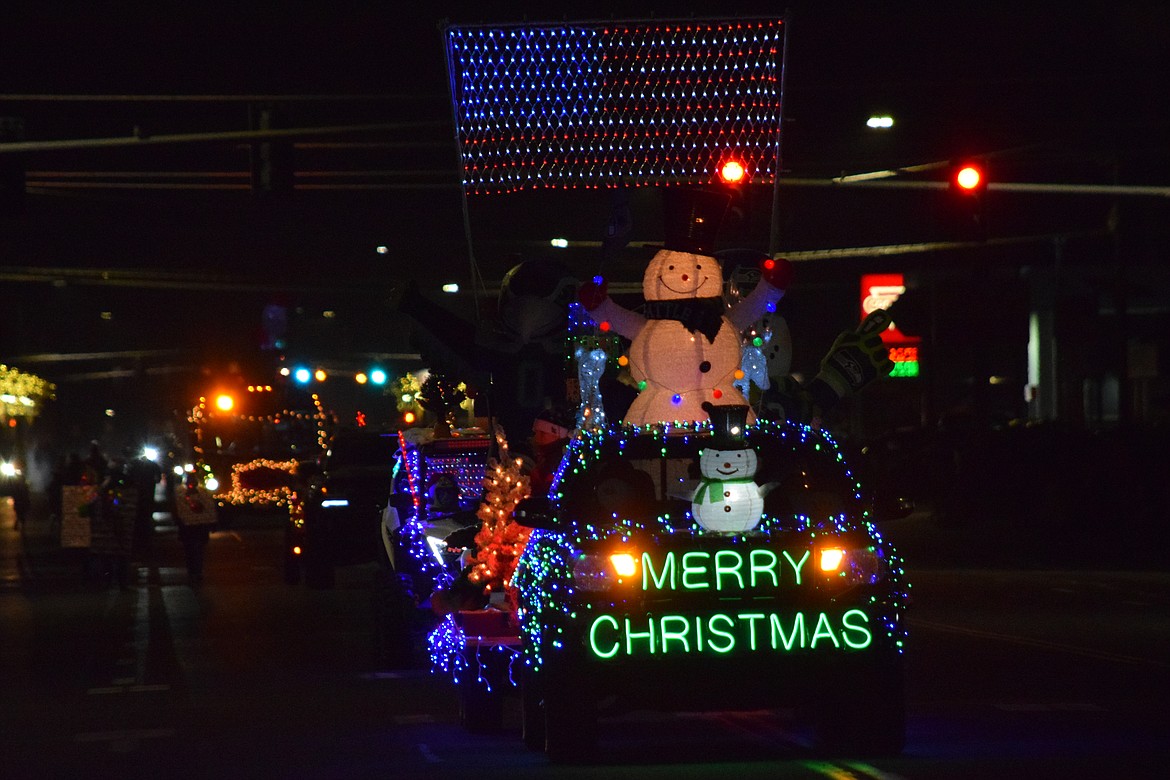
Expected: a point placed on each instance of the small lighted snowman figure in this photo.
(728, 500)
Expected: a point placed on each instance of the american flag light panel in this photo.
(606, 104)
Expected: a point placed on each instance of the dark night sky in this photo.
(1055, 92)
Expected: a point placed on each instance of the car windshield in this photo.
(615, 476)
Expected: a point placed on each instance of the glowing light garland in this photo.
(204, 413)
(450, 650)
(246, 476)
(22, 394)
(598, 104)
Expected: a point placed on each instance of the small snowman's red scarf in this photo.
(701, 315)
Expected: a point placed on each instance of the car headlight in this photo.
(437, 547)
(852, 565)
(9, 469)
(604, 571)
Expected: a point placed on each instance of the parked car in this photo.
(627, 603)
(334, 517)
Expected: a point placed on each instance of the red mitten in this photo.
(591, 294)
(776, 272)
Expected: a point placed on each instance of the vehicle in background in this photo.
(334, 515)
(14, 485)
(431, 518)
(11, 477)
(247, 442)
(428, 530)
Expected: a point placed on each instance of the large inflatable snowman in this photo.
(685, 348)
(728, 500)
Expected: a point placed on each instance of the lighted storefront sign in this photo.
(879, 291)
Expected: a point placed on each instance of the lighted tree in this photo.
(407, 393)
(500, 539)
(442, 397)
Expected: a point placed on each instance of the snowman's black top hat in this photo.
(692, 218)
(728, 423)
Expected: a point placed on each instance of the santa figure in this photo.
(728, 500)
(685, 345)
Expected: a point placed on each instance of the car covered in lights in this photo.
(431, 516)
(627, 601)
(248, 442)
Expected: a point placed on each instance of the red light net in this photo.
(615, 104)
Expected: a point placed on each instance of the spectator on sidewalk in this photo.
(195, 514)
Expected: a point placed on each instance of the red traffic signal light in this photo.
(968, 178)
(732, 171)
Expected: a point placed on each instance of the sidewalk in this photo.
(31, 558)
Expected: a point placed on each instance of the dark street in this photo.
(1012, 674)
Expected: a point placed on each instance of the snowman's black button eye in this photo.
(670, 268)
(705, 366)
(698, 267)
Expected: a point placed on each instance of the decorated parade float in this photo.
(247, 441)
(707, 551)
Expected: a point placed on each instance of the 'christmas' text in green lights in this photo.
(722, 633)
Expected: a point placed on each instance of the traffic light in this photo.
(968, 185)
(732, 172)
(968, 179)
(271, 160)
(735, 176)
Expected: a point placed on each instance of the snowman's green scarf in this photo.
(711, 490)
(702, 315)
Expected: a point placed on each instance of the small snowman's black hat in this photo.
(692, 218)
(728, 422)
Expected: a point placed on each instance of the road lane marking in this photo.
(125, 741)
(1041, 643)
(846, 769)
(128, 688)
(869, 770)
(829, 770)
